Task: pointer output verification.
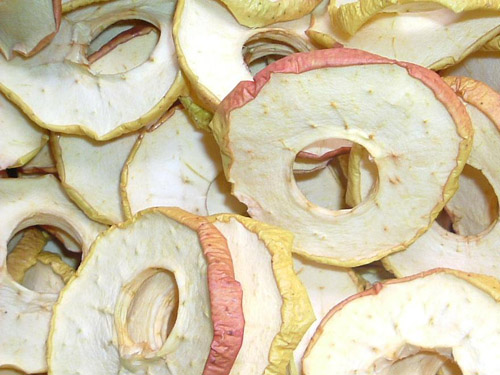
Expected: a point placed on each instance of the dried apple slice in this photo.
(326, 287)
(172, 164)
(435, 38)
(448, 312)
(482, 66)
(60, 73)
(124, 330)
(266, 12)
(26, 27)
(212, 58)
(351, 15)
(21, 139)
(275, 304)
(24, 322)
(439, 248)
(90, 173)
(295, 114)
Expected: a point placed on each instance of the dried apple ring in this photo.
(170, 303)
(61, 73)
(401, 125)
(211, 58)
(442, 311)
(25, 314)
(439, 248)
(275, 303)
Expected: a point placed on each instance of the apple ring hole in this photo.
(323, 176)
(266, 47)
(474, 209)
(122, 46)
(426, 362)
(151, 302)
(27, 265)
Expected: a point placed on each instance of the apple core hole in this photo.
(413, 360)
(151, 313)
(122, 46)
(325, 173)
(424, 363)
(39, 261)
(266, 47)
(473, 210)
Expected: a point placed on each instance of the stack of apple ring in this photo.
(267, 187)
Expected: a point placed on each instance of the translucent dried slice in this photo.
(212, 58)
(275, 304)
(445, 311)
(439, 248)
(26, 27)
(435, 38)
(326, 286)
(266, 12)
(172, 164)
(294, 113)
(21, 139)
(482, 66)
(24, 322)
(60, 74)
(154, 314)
(90, 173)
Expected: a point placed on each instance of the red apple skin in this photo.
(226, 296)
